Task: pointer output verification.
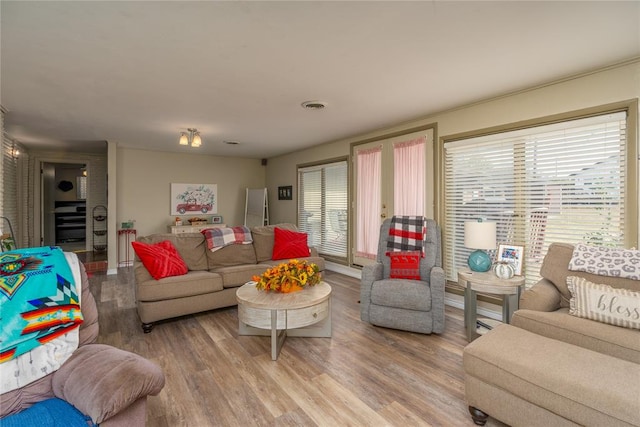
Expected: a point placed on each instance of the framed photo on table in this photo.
(513, 254)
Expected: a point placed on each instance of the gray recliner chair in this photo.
(410, 305)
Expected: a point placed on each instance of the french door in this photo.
(389, 179)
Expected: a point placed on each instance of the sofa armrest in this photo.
(100, 380)
(370, 273)
(543, 296)
(313, 251)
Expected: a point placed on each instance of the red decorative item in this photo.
(405, 265)
(160, 259)
(289, 244)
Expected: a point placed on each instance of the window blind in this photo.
(322, 208)
(561, 182)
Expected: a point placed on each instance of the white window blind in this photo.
(322, 208)
(562, 182)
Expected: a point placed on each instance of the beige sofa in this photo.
(551, 368)
(212, 278)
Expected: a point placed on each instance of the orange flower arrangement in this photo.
(288, 277)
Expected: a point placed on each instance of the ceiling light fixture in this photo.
(191, 138)
(314, 105)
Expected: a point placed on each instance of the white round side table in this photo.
(489, 283)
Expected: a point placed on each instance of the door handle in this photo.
(383, 215)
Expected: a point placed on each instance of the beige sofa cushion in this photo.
(555, 268)
(191, 247)
(612, 340)
(235, 254)
(263, 238)
(237, 275)
(192, 283)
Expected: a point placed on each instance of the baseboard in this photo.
(112, 271)
(343, 269)
(487, 310)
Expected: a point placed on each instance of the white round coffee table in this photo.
(306, 313)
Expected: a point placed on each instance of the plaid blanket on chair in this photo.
(407, 233)
(217, 238)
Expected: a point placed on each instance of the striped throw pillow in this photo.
(619, 307)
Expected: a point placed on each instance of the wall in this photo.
(144, 179)
(67, 174)
(605, 86)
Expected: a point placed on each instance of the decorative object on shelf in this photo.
(504, 270)
(198, 221)
(285, 192)
(178, 221)
(194, 198)
(513, 254)
(128, 224)
(191, 137)
(479, 235)
(288, 277)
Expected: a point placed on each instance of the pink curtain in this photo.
(409, 177)
(369, 168)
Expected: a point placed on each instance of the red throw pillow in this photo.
(405, 265)
(289, 244)
(160, 259)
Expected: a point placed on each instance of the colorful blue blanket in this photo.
(39, 305)
(218, 238)
(52, 412)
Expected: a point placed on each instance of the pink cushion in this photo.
(160, 259)
(405, 265)
(289, 244)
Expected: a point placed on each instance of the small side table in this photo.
(129, 235)
(488, 282)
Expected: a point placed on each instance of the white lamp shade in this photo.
(480, 235)
(197, 141)
(184, 139)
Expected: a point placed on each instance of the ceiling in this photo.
(77, 73)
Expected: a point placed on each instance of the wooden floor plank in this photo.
(362, 376)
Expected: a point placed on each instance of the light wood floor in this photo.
(362, 376)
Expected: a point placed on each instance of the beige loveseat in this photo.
(212, 278)
(551, 368)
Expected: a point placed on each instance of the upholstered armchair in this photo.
(406, 304)
(108, 385)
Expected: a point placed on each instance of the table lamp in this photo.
(479, 235)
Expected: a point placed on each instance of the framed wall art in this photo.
(513, 254)
(285, 192)
(194, 199)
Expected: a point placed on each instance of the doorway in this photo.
(63, 209)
